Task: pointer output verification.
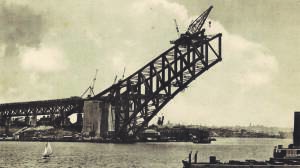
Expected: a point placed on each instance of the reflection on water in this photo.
(66, 154)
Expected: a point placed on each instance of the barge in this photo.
(288, 157)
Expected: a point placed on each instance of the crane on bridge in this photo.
(90, 89)
(135, 100)
(177, 29)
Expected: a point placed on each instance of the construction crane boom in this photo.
(94, 80)
(197, 24)
(91, 87)
(123, 72)
(177, 29)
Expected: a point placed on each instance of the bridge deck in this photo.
(44, 107)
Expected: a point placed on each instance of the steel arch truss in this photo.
(138, 98)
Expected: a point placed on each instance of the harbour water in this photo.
(139, 155)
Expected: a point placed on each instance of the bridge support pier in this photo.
(33, 121)
(62, 119)
(7, 124)
(67, 121)
(79, 120)
(2, 120)
(27, 120)
(52, 118)
(95, 119)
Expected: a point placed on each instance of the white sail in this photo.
(48, 150)
(45, 152)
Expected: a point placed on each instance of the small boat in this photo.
(48, 151)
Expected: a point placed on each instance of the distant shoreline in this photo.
(10, 139)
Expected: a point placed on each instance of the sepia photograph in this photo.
(149, 84)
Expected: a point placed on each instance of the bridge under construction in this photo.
(125, 108)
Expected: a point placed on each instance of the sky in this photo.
(51, 49)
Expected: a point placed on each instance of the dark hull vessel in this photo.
(282, 157)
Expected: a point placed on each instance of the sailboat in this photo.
(48, 150)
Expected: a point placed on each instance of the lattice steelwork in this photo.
(63, 107)
(138, 98)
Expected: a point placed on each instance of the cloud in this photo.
(45, 59)
(249, 64)
(2, 51)
(20, 26)
(164, 6)
(118, 60)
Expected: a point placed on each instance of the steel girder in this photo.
(64, 107)
(138, 98)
